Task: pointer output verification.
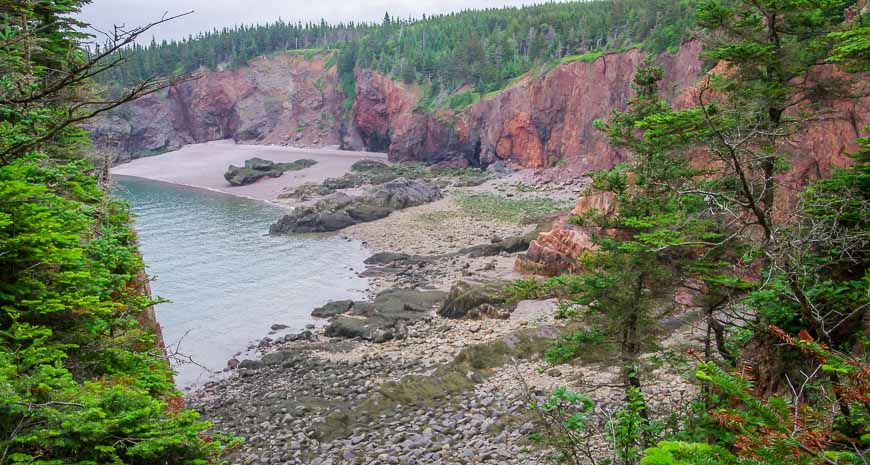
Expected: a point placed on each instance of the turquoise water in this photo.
(227, 280)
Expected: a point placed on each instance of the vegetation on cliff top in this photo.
(82, 379)
(485, 48)
(783, 292)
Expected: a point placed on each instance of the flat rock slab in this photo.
(384, 318)
(339, 210)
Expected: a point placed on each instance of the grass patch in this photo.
(464, 100)
(588, 57)
(562, 286)
(296, 165)
(348, 88)
(331, 61)
(581, 344)
(505, 209)
(308, 53)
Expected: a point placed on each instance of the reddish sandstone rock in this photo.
(559, 250)
(556, 251)
(383, 113)
(520, 143)
(282, 99)
(602, 202)
(541, 120)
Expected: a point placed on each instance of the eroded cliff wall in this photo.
(287, 99)
(545, 119)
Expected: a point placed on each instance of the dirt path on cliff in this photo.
(203, 166)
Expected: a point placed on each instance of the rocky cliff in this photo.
(288, 99)
(544, 119)
(547, 118)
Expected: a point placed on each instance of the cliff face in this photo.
(534, 123)
(543, 120)
(548, 119)
(281, 99)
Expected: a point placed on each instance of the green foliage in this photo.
(463, 100)
(685, 453)
(506, 209)
(486, 49)
(82, 380)
(558, 286)
(567, 416)
(852, 47)
(588, 57)
(779, 430)
(574, 345)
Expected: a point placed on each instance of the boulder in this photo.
(559, 249)
(403, 193)
(332, 309)
(259, 164)
(556, 251)
(251, 364)
(258, 168)
(602, 203)
(391, 258)
(281, 357)
(470, 300)
(384, 318)
(364, 166)
(353, 328)
(339, 210)
(406, 304)
(508, 245)
(237, 176)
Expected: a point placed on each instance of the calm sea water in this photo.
(227, 280)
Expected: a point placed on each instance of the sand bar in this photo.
(204, 165)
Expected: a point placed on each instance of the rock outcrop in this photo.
(257, 168)
(543, 120)
(283, 98)
(547, 118)
(559, 249)
(477, 300)
(339, 210)
(534, 123)
(384, 318)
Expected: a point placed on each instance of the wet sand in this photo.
(204, 165)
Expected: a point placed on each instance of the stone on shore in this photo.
(339, 210)
(386, 317)
(258, 168)
(332, 309)
(475, 301)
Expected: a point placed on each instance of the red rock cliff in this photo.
(543, 120)
(548, 119)
(286, 99)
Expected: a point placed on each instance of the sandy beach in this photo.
(204, 165)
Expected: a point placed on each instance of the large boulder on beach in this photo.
(258, 168)
(403, 193)
(339, 210)
(332, 309)
(240, 176)
(476, 300)
(383, 319)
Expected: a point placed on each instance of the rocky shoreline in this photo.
(422, 388)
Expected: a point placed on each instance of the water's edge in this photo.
(227, 280)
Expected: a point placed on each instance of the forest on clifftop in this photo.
(482, 48)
